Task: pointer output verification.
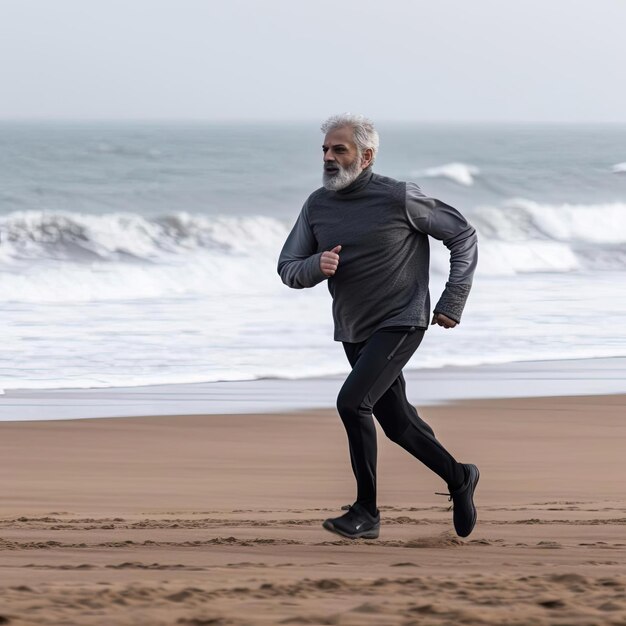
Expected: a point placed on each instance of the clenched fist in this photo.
(443, 320)
(329, 261)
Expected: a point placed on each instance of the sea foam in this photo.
(65, 256)
(519, 219)
(79, 237)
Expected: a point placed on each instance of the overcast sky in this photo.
(422, 60)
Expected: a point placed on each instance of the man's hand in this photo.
(329, 261)
(442, 320)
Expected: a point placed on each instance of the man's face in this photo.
(342, 158)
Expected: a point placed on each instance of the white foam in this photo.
(71, 257)
(63, 256)
(619, 168)
(198, 274)
(122, 236)
(519, 219)
(288, 333)
(522, 236)
(460, 173)
(508, 258)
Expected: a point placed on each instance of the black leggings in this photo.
(376, 384)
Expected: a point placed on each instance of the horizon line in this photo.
(249, 120)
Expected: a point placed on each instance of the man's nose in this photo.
(328, 156)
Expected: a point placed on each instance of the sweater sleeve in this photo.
(299, 263)
(443, 222)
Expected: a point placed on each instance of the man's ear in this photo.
(366, 160)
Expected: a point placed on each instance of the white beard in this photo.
(345, 176)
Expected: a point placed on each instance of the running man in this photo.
(368, 235)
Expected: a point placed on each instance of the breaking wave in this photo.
(525, 236)
(59, 256)
(127, 236)
(460, 173)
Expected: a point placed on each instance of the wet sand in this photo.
(216, 519)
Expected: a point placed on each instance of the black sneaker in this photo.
(464, 514)
(357, 522)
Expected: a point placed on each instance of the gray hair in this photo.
(365, 135)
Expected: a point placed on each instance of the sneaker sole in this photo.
(372, 533)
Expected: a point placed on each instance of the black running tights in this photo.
(376, 385)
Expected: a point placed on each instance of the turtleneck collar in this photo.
(359, 182)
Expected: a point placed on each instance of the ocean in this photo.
(145, 253)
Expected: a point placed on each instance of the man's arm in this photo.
(299, 263)
(441, 221)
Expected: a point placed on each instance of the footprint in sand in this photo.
(552, 603)
(549, 544)
(437, 541)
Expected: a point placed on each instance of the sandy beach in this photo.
(216, 519)
(207, 209)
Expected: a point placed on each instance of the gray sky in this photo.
(423, 60)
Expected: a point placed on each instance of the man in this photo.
(368, 235)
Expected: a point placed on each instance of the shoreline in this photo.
(425, 387)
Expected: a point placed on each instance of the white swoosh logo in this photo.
(359, 526)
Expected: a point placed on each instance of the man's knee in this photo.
(348, 406)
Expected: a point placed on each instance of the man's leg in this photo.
(402, 424)
(376, 364)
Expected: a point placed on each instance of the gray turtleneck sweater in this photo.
(382, 278)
